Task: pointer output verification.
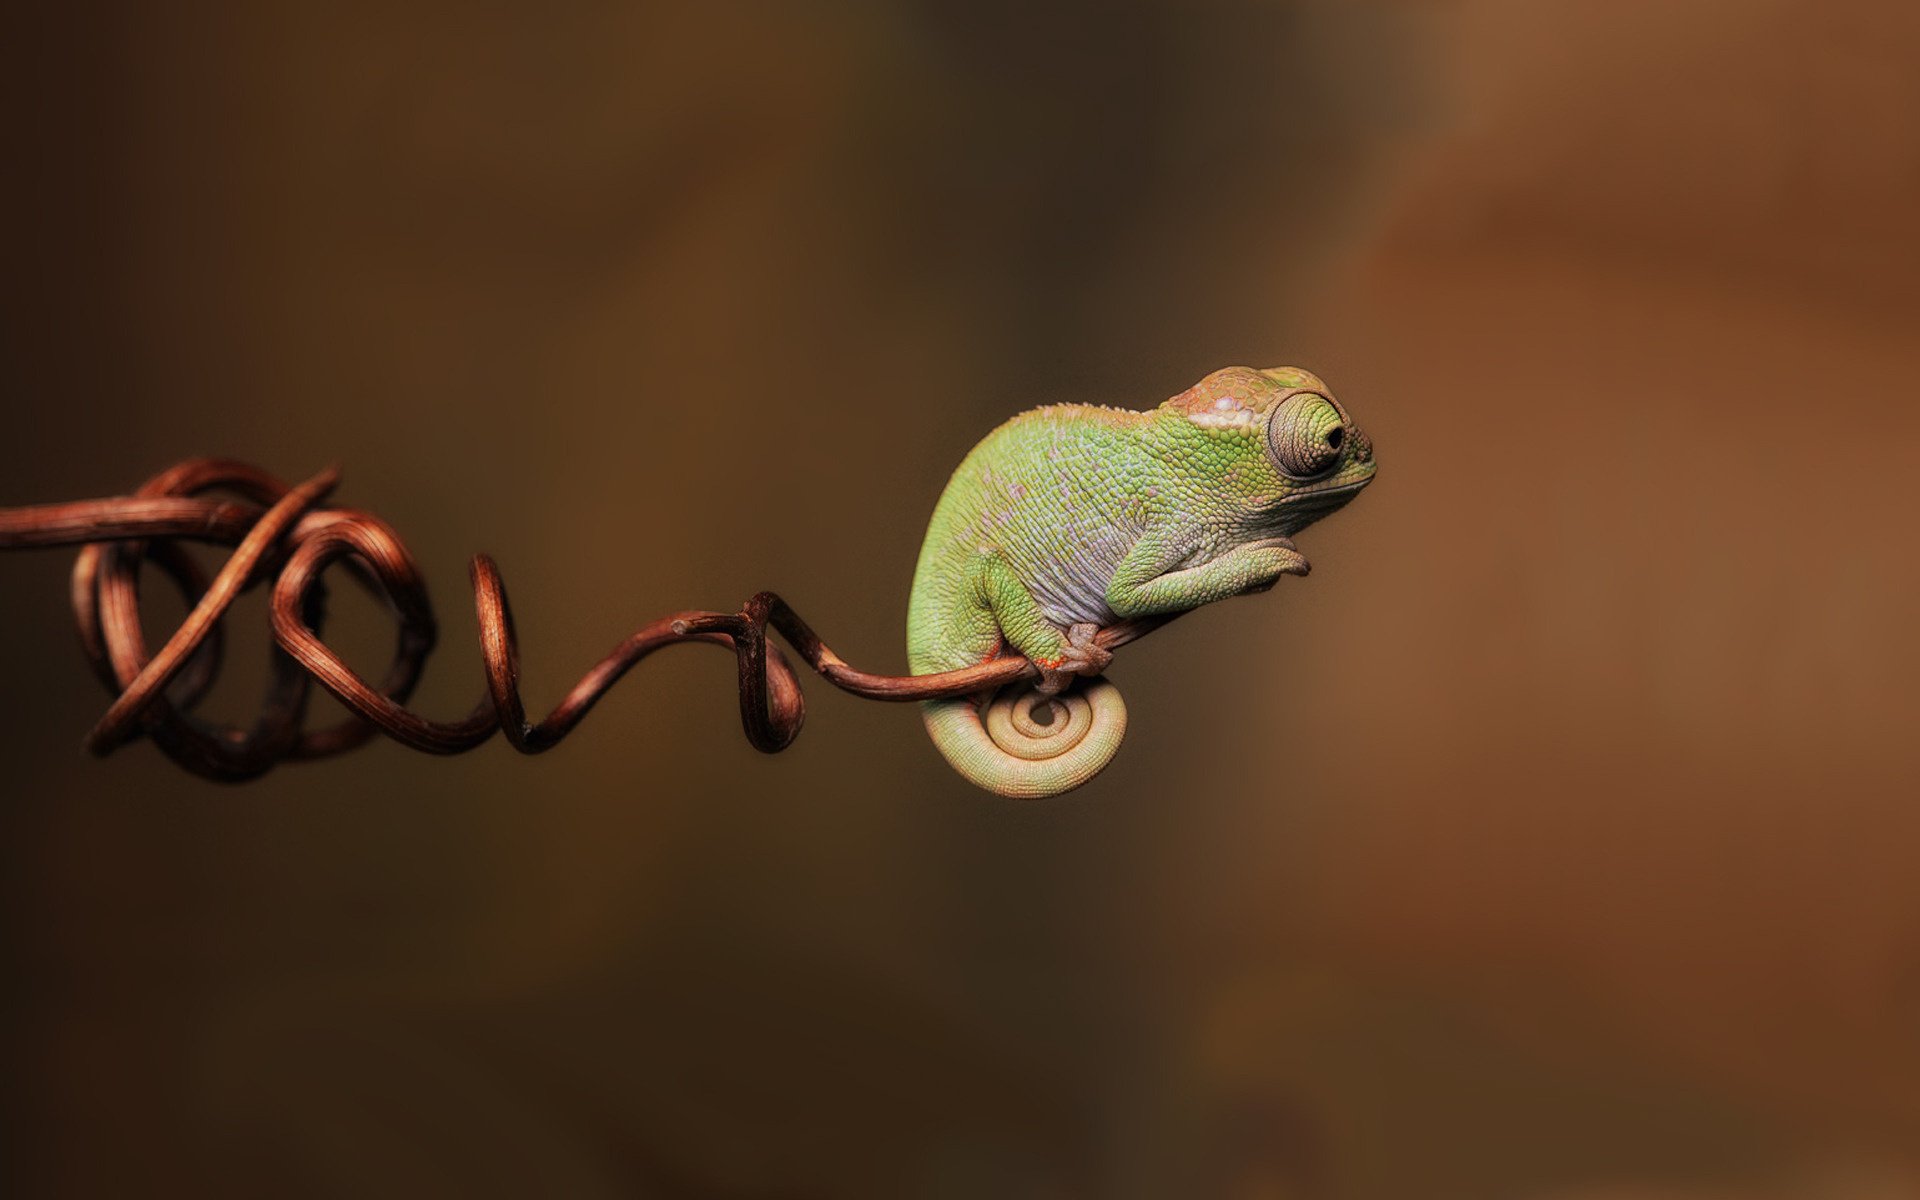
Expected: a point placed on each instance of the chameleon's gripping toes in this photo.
(1072, 518)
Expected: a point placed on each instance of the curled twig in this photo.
(282, 535)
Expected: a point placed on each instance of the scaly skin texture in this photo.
(1068, 518)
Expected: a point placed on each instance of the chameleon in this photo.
(1073, 517)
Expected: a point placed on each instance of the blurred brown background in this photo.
(1554, 841)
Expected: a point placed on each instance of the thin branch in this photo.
(282, 535)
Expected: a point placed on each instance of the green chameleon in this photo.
(1073, 517)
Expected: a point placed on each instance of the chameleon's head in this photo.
(1295, 454)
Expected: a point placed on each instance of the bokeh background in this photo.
(1554, 841)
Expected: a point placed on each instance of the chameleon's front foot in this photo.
(1278, 556)
(1080, 656)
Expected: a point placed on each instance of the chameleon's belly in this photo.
(1072, 589)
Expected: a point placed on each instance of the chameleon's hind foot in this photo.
(1081, 656)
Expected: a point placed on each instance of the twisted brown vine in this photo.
(282, 535)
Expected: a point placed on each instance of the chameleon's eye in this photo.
(1305, 434)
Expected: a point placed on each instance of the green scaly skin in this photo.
(1070, 518)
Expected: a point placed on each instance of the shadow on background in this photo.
(1554, 841)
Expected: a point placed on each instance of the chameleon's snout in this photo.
(1362, 444)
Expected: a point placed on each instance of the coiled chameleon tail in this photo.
(1026, 745)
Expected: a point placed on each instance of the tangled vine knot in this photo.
(283, 536)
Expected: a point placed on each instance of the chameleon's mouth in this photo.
(1344, 490)
(1304, 508)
